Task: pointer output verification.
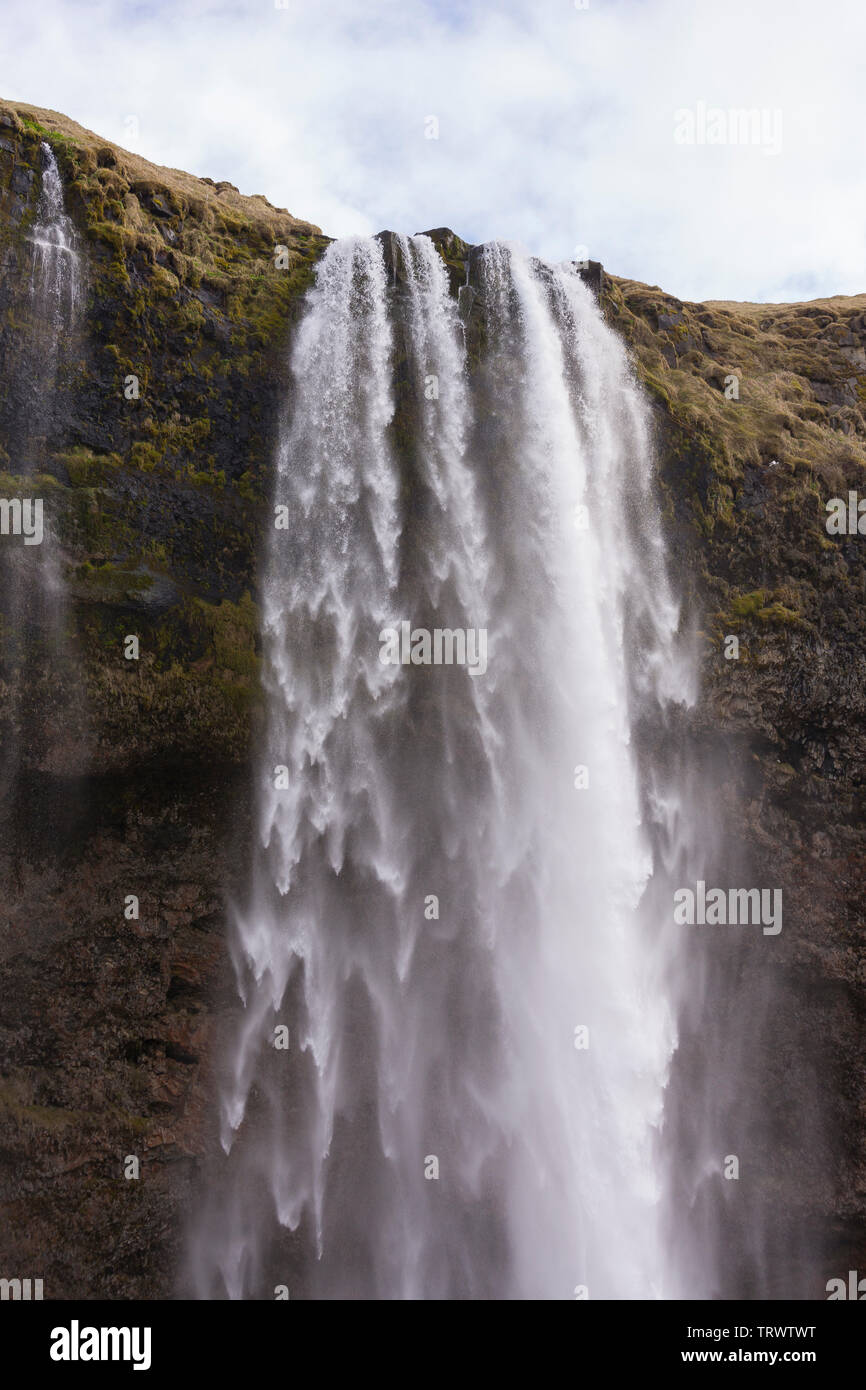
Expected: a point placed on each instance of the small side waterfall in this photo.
(456, 954)
(53, 290)
(33, 609)
(56, 279)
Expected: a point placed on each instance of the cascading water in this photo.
(51, 279)
(33, 604)
(56, 277)
(455, 907)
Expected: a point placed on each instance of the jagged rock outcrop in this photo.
(107, 1024)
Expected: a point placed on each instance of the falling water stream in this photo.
(33, 608)
(458, 914)
(56, 276)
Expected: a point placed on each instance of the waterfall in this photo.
(53, 300)
(33, 608)
(455, 955)
(56, 278)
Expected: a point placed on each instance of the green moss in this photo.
(163, 282)
(721, 503)
(30, 124)
(112, 235)
(87, 469)
(746, 606)
(110, 583)
(780, 615)
(145, 456)
(28, 485)
(233, 628)
(761, 607)
(250, 487)
(656, 389)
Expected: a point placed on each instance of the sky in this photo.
(605, 125)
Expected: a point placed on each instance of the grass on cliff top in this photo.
(747, 308)
(801, 380)
(185, 293)
(254, 209)
(753, 475)
(181, 229)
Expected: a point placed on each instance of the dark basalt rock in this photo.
(592, 274)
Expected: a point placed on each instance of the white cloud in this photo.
(556, 126)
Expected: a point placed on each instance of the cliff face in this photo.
(154, 457)
(762, 421)
(158, 489)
